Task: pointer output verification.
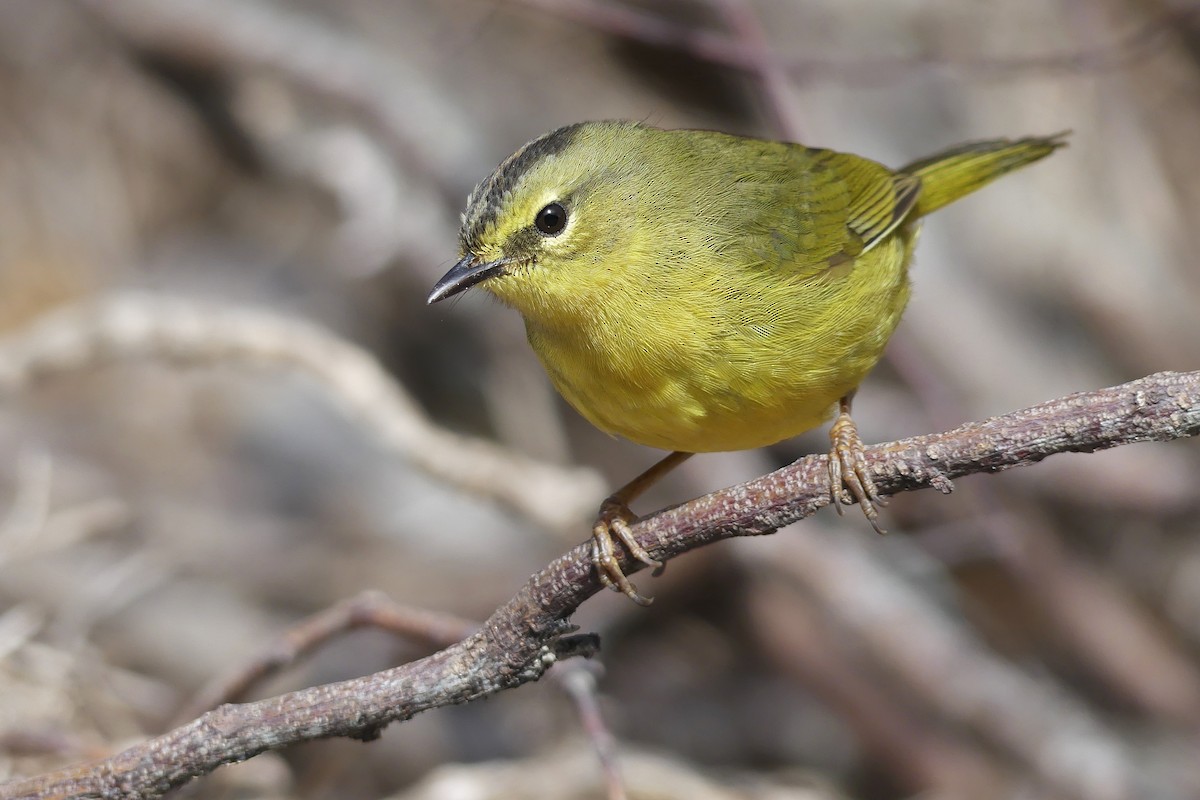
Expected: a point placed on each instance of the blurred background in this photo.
(216, 216)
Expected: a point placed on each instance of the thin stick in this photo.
(145, 326)
(716, 48)
(527, 634)
(367, 610)
(578, 679)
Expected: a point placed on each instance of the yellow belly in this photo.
(769, 366)
(682, 415)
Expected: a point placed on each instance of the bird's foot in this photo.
(614, 521)
(849, 479)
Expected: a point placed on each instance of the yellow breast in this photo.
(722, 360)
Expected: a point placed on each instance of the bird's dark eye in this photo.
(551, 220)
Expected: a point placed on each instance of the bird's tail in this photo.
(955, 173)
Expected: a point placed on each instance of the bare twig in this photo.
(394, 182)
(796, 631)
(367, 610)
(32, 526)
(144, 326)
(578, 679)
(777, 88)
(18, 625)
(523, 637)
(1059, 740)
(654, 30)
(396, 102)
(31, 505)
(1112, 636)
(1116, 638)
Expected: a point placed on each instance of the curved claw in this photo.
(849, 479)
(614, 519)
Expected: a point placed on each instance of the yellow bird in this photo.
(696, 291)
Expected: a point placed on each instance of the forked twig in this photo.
(369, 609)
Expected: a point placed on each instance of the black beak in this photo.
(463, 275)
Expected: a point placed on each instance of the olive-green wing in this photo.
(821, 208)
(879, 199)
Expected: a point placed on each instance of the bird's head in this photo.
(552, 221)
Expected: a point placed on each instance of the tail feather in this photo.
(955, 173)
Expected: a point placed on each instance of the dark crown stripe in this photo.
(485, 200)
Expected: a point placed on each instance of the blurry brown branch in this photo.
(316, 58)
(923, 653)
(145, 326)
(368, 610)
(33, 525)
(1111, 631)
(748, 56)
(578, 679)
(246, 35)
(797, 633)
(745, 25)
(524, 636)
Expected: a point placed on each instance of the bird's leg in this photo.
(615, 518)
(848, 467)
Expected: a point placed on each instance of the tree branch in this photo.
(522, 638)
(737, 53)
(370, 609)
(143, 326)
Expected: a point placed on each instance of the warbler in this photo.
(696, 291)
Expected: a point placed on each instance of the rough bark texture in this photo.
(526, 635)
